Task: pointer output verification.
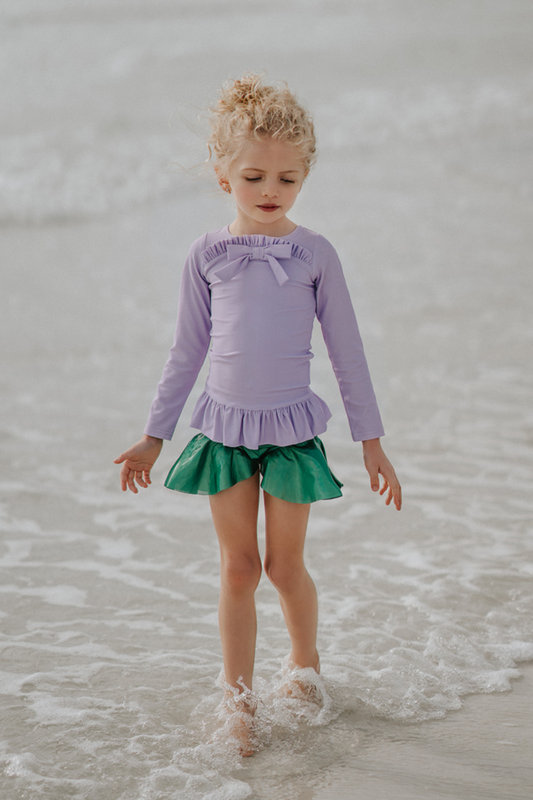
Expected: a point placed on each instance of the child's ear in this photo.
(222, 181)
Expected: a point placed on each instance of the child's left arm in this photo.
(377, 463)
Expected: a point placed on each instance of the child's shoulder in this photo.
(312, 239)
(321, 248)
(207, 239)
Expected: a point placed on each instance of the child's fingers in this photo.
(139, 477)
(128, 478)
(399, 498)
(394, 491)
(374, 479)
(124, 479)
(131, 482)
(396, 495)
(388, 485)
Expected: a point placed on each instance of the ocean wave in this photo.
(434, 112)
(57, 176)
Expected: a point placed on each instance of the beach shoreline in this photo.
(487, 742)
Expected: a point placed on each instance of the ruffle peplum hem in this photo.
(251, 428)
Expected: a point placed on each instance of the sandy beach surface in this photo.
(108, 614)
(478, 752)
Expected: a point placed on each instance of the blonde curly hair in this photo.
(248, 109)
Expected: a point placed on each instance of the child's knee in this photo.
(284, 574)
(241, 573)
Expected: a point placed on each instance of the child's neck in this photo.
(281, 227)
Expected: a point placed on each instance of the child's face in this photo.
(265, 178)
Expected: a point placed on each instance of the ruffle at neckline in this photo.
(220, 248)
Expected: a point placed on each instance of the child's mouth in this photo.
(268, 207)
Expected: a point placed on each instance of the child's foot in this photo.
(302, 690)
(240, 728)
(240, 723)
(298, 683)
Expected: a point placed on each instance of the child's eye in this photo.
(251, 180)
(286, 180)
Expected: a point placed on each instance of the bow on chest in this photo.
(240, 255)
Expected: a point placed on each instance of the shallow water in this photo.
(110, 650)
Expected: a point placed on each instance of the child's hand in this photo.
(377, 463)
(137, 463)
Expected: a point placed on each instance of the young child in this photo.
(250, 292)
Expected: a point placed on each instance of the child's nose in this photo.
(270, 189)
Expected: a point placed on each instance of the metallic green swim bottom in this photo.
(298, 473)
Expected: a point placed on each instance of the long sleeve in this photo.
(188, 351)
(336, 315)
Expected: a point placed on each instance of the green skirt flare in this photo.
(298, 473)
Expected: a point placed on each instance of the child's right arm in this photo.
(191, 343)
(192, 338)
(137, 463)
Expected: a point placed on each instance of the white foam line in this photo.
(57, 595)
(113, 573)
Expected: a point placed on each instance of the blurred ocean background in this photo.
(108, 603)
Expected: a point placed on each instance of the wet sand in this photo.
(480, 752)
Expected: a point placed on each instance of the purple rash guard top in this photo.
(251, 302)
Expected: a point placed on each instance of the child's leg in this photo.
(286, 526)
(234, 514)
